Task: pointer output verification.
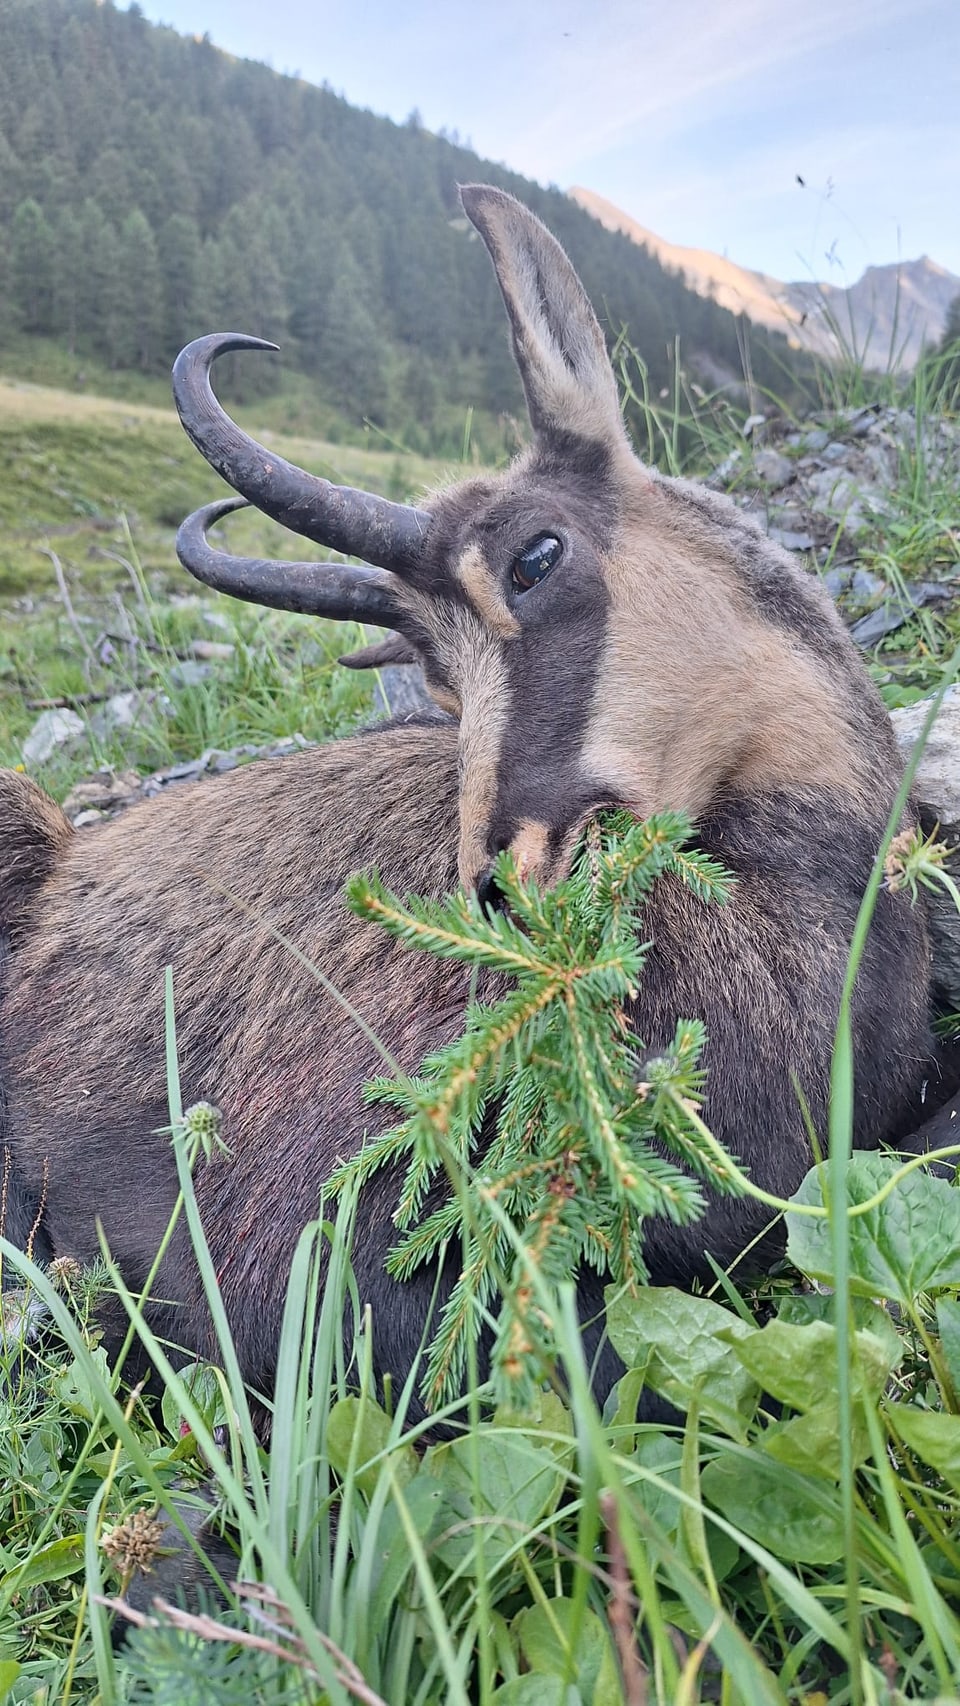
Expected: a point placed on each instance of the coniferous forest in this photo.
(153, 187)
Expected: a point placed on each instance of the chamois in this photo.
(597, 635)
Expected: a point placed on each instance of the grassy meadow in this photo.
(93, 602)
(794, 1539)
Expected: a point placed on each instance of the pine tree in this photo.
(96, 295)
(32, 267)
(179, 260)
(138, 298)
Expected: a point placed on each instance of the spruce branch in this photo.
(544, 1102)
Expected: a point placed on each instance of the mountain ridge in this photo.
(884, 318)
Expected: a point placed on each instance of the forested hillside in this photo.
(152, 187)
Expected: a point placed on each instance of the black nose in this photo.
(488, 892)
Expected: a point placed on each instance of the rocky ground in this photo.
(818, 489)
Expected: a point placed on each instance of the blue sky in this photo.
(694, 116)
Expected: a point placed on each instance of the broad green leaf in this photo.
(547, 1415)
(358, 1429)
(60, 1558)
(204, 1388)
(433, 1509)
(812, 1442)
(662, 1455)
(536, 1690)
(798, 1365)
(948, 1326)
(545, 1633)
(794, 1516)
(802, 1307)
(909, 1244)
(499, 1474)
(73, 1386)
(620, 1410)
(690, 1345)
(9, 1671)
(932, 1435)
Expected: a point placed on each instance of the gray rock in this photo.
(836, 581)
(183, 772)
(725, 470)
(189, 673)
(104, 792)
(774, 469)
(895, 611)
(211, 651)
(865, 585)
(815, 441)
(790, 539)
(938, 772)
(858, 422)
(121, 711)
(937, 789)
(401, 692)
(886, 619)
(51, 730)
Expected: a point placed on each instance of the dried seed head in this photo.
(65, 1272)
(132, 1546)
(898, 853)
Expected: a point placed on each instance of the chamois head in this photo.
(603, 635)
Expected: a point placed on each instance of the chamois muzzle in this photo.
(359, 524)
(336, 590)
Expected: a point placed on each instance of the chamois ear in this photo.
(394, 649)
(557, 341)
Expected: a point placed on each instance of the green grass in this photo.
(554, 1555)
(796, 1540)
(101, 486)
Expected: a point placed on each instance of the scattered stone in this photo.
(52, 729)
(752, 424)
(773, 468)
(104, 792)
(211, 651)
(790, 539)
(836, 581)
(122, 711)
(896, 610)
(401, 693)
(937, 789)
(188, 673)
(724, 471)
(846, 473)
(865, 585)
(816, 440)
(859, 422)
(217, 619)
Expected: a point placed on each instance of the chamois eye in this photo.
(535, 561)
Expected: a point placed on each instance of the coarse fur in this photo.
(673, 658)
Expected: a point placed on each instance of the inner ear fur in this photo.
(394, 649)
(557, 341)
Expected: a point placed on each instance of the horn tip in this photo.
(203, 351)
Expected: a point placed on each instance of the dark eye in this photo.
(535, 561)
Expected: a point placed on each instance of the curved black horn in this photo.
(357, 523)
(314, 589)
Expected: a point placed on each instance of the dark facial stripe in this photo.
(553, 668)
